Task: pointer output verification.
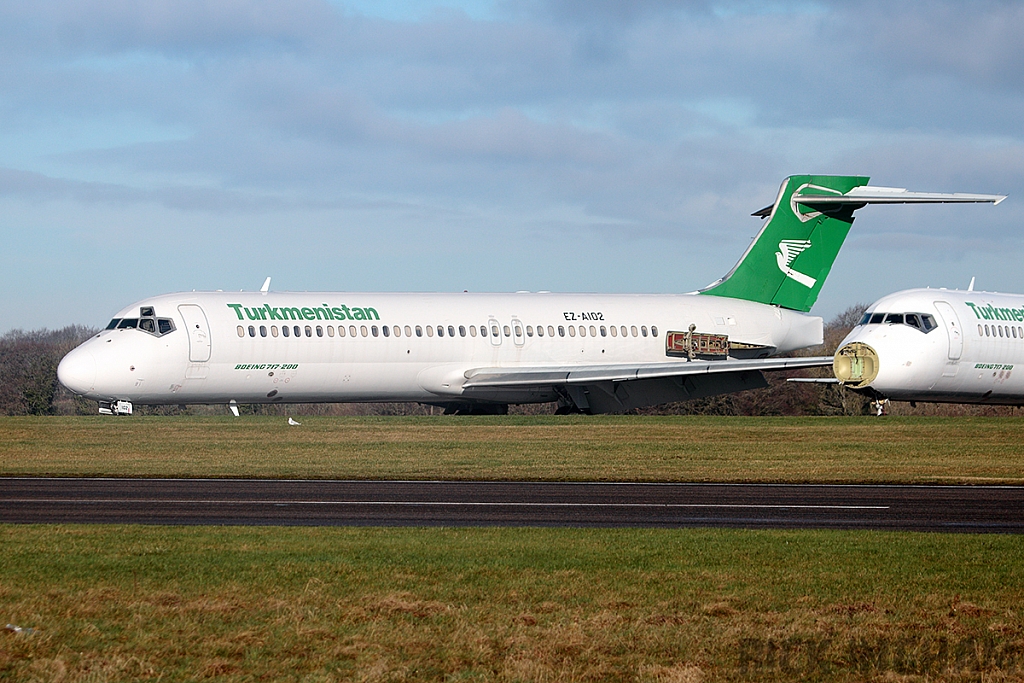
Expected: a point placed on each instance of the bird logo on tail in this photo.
(788, 251)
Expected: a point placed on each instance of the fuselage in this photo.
(339, 347)
(938, 345)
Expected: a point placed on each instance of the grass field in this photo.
(233, 604)
(121, 603)
(910, 449)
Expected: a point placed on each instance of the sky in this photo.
(152, 146)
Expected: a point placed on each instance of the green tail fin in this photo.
(788, 261)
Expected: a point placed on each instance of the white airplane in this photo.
(937, 345)
(595, 353)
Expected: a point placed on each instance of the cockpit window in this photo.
(146, 312)
(924, 322)
(149, 324)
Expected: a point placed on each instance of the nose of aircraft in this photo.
(77, 371)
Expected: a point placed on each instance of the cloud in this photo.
(609, 124)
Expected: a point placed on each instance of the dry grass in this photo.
(673, 606)
(909, 449)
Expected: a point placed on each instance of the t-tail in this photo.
(788, 261)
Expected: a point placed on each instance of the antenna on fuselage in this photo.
(266, 285)
(970, 287)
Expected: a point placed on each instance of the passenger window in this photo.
(284, 330)
(494, 331)
(643, 330)
(529, 330)
(981, 332)
(362, 330)
(472, 330)
(451, 331)
(986, 330)
(540, 330)
(419, 331)
(561, 331)
(263, 330)
(604, 331)
(508, 332)
(654, 331)
(352, 330)
(462, 330)
(113, 323)
(398, 331)
(296, 331)
(440, 330)
(148, 325)
(593, 331)
(385, 330)
(273, 330)
(633, 330)
(341, 330)
(408, 331)
(572, 331)
(614, 331)
(623, 331)
(330, 330)
(430, 331)
(252, 331)
(518, 329)
(309, 331)
(483, 330)
(319, 331)
(374, 331)
(551, 331)
(583, 330)
(1000, 328)
(241, 331)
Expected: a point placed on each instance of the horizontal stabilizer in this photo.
(867, 194)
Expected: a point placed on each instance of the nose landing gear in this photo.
(880, 406)
(115, 407)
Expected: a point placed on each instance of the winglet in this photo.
(266, 285)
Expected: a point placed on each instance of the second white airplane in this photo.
(938, 345)
(595, 353)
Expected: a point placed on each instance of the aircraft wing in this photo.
(617, 388)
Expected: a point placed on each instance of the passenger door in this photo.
(198, 332)
(952, 324)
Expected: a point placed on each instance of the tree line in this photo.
(29, 386)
